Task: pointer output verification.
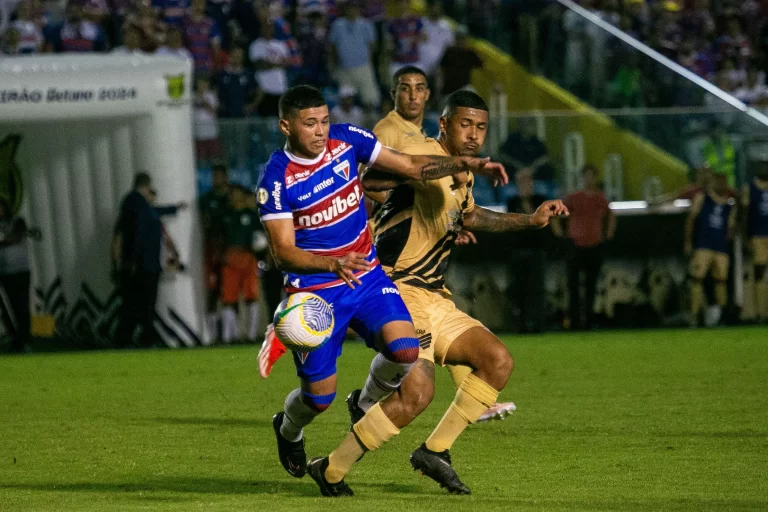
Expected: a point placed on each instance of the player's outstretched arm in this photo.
(282, 243)
(483, 219)
(423, 167)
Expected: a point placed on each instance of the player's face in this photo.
(307, 131)
(411, 95)
(464, 131)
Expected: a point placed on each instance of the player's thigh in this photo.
(450, 324)
(701, 260)
(760, 250)
(720, 264)
(381, 310)
(419, 303)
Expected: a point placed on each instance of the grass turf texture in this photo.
(664, 420)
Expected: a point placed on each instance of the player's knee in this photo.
(318, 403)
(499, 364)
(402, 350)
(417, 394)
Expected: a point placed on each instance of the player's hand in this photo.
(546, 211)
(484, 167)
(465, 238)
(345, 267)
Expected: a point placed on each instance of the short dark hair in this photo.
(407, 70)
(463, 99)
(299, 98)
(141, 179)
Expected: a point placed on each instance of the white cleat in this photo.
(498, 412)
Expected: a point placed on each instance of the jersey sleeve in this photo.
(386, 134)
(367, 147)
(271, 196)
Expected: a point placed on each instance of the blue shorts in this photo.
(366, 309)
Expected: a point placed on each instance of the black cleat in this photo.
(316, 469)
(437, 466)
(356, 413)
(291, 453)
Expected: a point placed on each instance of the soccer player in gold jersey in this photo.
(415, 230)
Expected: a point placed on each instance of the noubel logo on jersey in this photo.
(342, 169)
(329, 210)
(10, 177)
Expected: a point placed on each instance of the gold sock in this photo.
(697, 296)
(761, 304)
(472, 399)
(368, 434)
(458, 374)
(721, 294)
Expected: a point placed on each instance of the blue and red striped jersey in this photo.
(324, 198)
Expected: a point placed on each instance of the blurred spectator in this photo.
(237, 87)
(352, 43)
(754, 92)
(438, 38)
(346, 112)
(639, 15)
(131, 42)
(136, 255)
(718, 152)
(10, 43)
(481, 15)
(153, 31)
(406, 33)
(528, 260)
(697, 20)
(590, 224)
(30, 36)
(206, 121)
(734, 44)
(245, 14)
(172, 12)
(626, 88)
(175, 46)
(755, 201)
(669, 31)
(76, 34)
(523, 151)
(271, 58)
(457, 64)
(702, 179)
(577, 49)
(6, 13)
(313, 44)
(203, 38)
(15, 275)
(239, 275)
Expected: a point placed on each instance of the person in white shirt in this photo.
(175, 46)
(439, 36)
(30, 36)
(346, 112)
(131, 43)
(271, 58)
(206, 122)
(754, 91)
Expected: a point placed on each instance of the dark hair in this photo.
(299, 98)
(463, 99)
(141, 179)
(407, 70)
(219, 167)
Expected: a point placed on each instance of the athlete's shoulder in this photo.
(350, 133)
(277, 165)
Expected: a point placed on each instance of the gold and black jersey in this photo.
(396, 132)
(415, 228)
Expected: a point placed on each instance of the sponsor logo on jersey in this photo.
(388, 290)
(341, 147)
(276, 196)
(330, 209)
(342, 169)
(323, 185)
(364, 133)
(292, 179)
(305, 196)
(10, 176)
(262, 196)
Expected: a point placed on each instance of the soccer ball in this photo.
(303, 322)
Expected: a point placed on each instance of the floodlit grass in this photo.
(661, 420)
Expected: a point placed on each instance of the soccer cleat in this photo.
(316, 469)
(271, 350)
(291, 453)
(498, 412)
(356, 412)
(437, 466)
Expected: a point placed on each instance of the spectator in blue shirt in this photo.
(136, 255)
(238, 96)
(352, 41)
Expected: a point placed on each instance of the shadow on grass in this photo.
(185, 485)
(216, 422)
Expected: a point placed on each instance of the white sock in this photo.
(384, 378)
(297, 416)
(254, 320)
(212, 324)
(229, 324)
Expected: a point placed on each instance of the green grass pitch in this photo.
(664, 420)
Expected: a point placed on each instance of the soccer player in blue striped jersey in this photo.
(310, 201)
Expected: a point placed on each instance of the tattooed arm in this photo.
(420, 167)
(483, 219)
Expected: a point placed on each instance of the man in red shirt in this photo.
(590, 224)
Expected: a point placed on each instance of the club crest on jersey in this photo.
(342, 169)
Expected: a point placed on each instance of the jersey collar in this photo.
(304, 161)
